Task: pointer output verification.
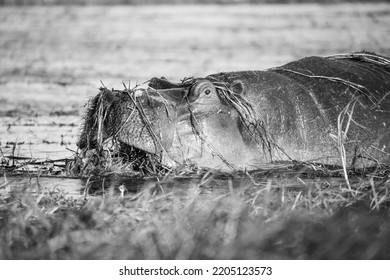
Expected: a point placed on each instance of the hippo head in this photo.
(250, 119)
(197, 121)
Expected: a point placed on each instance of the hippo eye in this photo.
(200, 86)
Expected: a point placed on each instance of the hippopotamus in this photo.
(330, 110)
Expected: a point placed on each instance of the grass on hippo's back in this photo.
(274, 219)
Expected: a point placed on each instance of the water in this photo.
(74, 187)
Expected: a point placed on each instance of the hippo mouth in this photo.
(141, 160)
(123, 123)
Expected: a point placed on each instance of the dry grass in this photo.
(276, 218)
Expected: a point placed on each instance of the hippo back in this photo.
(320, 108)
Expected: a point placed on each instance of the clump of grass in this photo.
(102, 151)
(13, 164)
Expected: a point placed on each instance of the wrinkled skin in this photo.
(296, 114)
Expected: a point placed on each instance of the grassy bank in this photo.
(275, 218)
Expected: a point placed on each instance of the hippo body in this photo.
(330, 110)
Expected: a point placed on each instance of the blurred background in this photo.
(55, 54)
(148, 2)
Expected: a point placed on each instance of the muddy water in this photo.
(74, 187)
(52, 59)
(115, 185)
(39, 137)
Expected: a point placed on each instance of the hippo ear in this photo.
(163, 83)
(238, 87)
